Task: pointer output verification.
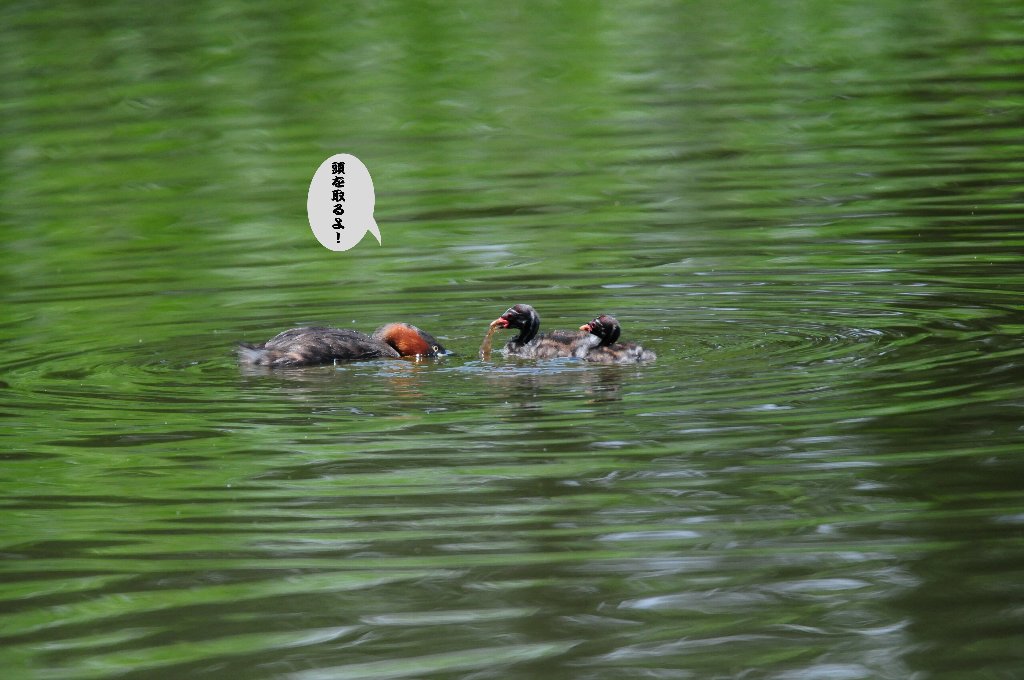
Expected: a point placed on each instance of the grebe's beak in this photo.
(500, 322)
(586, 327)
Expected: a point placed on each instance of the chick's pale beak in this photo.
(585, 327)
(500, 322)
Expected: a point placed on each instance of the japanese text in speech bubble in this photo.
(340, 203)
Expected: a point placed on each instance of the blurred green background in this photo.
(811, 210)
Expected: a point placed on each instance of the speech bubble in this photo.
(340, 203)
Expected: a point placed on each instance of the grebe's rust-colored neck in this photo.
(409, 341)
(406, 339)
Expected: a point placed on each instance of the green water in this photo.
(810, 210)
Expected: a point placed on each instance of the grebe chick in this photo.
(311, 345)
(529, 345)
(607, 330)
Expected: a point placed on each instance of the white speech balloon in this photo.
(340, 203)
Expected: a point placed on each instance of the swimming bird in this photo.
(606, 328)
(311, 345)
(529, 345)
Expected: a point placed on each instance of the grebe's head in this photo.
(605, 327)
(524, 318)
(410, 341)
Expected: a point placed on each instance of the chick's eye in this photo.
(435, 348)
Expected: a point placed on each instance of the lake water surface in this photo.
(812, 211)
